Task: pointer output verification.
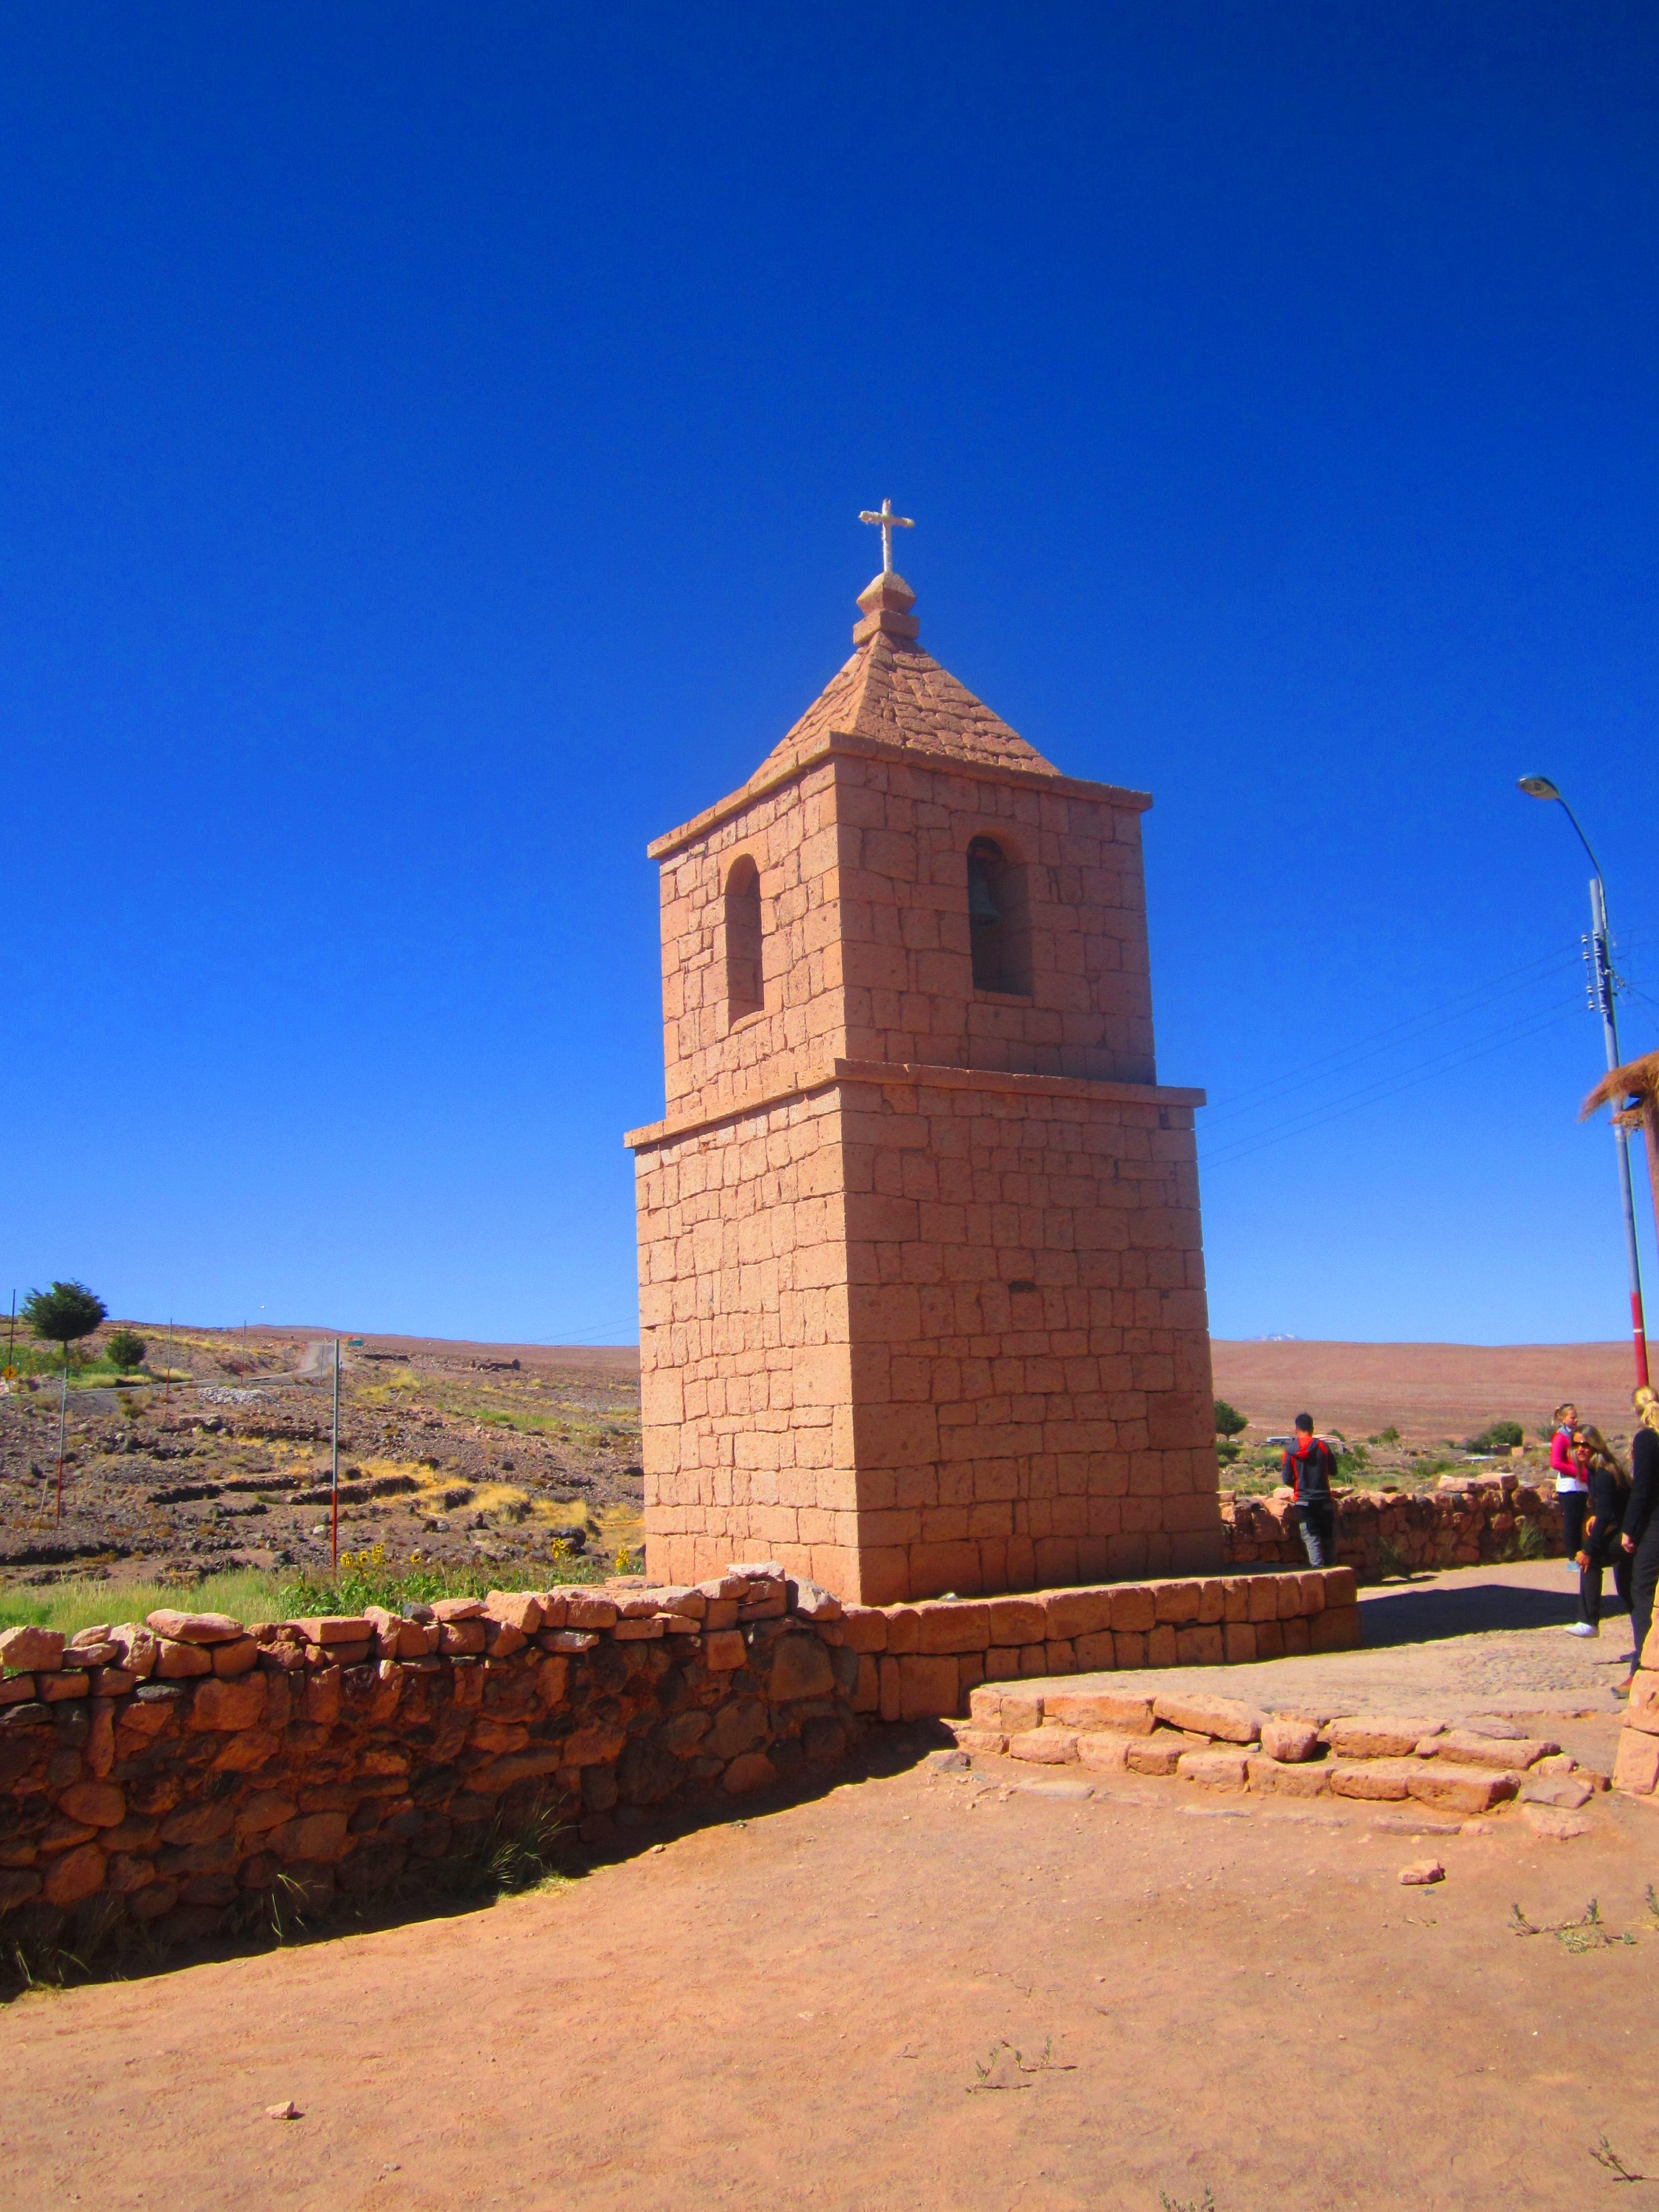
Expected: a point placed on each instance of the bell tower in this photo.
(922, 1291)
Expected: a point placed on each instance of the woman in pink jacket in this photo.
(1572, 1495)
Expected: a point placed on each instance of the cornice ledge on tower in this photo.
(849, 742)
(824, 1074)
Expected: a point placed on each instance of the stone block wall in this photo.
(744, 1359)
(861, 853)
(173, 1777)
(1478, 1522)
(926, 1329)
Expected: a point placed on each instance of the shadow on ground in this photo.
(1422, 1616)
(516, 1855)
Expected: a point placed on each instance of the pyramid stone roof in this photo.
(892, 692)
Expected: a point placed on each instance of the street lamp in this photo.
(1539, 786)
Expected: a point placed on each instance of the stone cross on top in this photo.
(889, 522)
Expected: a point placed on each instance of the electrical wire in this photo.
(1375, 1093)
(1392, 1038)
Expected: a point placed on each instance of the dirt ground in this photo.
(1430, 1392)
(979, 1989)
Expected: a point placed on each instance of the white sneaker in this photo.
(1582, 1628)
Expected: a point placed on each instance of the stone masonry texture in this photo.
(921, 1284)
(169, 1777)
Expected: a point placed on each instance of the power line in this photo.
(1390, 1039)
(1373, 1094)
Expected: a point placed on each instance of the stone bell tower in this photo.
(921, 1288)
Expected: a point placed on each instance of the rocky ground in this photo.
(450, 1452)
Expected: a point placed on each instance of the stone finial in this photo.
(887, 601)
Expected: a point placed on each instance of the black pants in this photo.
(1644, 1580)
(1590, 1584)
(1574, 1504)
(1317, 1519)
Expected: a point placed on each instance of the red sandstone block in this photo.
(1269, 1640)
(1200, 1646)
(1033, 1660)
(1002, 1662)
(1129, 1648)
(194, 1627)
(1263, 1599)
(1235, 1590)
(1238, 1639)
(866, 1696)
(176, 1662)
(1295, 1633)
(891, 1705)
(1288, 1591)
(865, 1628)
(903, 1630)
(1341, 1586)
(238, 1658)
(943, 1626)
(1335, 1629)
(456, 1638)
(1072, 1614)
(1015, 1620)
(1176, 1603)
(1314, 1593)
(1097, 1653)
(1044, 1746)
(1636, 1764)
(51, 1688)
(220, 1704)
(1134, 1609)
(1161, 1646)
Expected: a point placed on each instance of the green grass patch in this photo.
(247, 1595)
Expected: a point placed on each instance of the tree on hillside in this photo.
(126, 1350)
(63, 1315)
(1228, 1421)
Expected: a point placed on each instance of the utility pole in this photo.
(1601, 999)
(63, 1415)
(334, 1480)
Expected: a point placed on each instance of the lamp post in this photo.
(1539, 786)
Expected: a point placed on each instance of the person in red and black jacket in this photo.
(1309, 1463)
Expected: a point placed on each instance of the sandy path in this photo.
(791, 2010)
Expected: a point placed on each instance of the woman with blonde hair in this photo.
(1640, 1530)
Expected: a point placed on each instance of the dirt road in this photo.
(922, 1990)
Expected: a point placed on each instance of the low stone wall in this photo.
(1481, 1521)
(926, 1660)
(1637, 1766)
(175, 1775)
(1222, 1743)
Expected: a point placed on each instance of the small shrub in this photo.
(1228, 1421)
(1390, 1559)
(1226, 1450)
(126, 1350)
(1531, 1542)
(1501, 1436)
(1389, 1436)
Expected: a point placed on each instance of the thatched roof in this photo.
(1627, 1090)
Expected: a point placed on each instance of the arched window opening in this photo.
(744, 988)
(998, 924)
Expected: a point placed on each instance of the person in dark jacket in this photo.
(1309, 1463)
(1607, 1488)
(1639, 1534)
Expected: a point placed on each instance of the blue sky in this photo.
(430, 445)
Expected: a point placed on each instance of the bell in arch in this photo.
(981, 899)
